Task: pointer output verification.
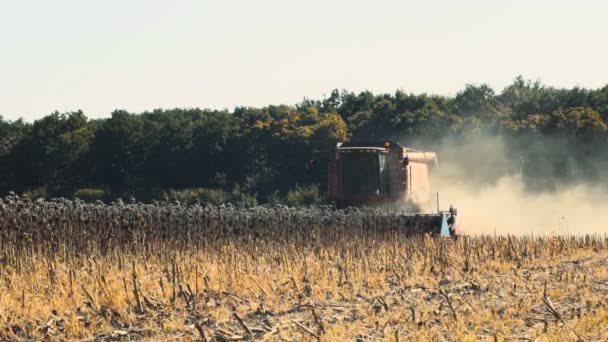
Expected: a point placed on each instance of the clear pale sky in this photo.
(144, 54)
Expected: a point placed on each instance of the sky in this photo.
(138, 55)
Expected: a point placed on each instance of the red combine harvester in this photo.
(389, 176)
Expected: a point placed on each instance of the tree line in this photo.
(259, 155)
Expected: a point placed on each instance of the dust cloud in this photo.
(486, 182)
(507, 208)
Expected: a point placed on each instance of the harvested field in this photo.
(75, 271)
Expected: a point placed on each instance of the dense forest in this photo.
(260, 155)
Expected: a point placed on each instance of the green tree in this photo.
(118, 151)
(52, 153)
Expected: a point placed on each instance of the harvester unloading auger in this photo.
(392, 177)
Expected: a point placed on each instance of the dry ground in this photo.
(469, 289)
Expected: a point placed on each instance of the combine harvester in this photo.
(389, 176)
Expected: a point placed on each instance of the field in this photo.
(76, 271)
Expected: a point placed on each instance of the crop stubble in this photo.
(71, 270)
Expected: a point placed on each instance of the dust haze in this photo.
(486, 183)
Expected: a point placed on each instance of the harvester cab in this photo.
(389, 176)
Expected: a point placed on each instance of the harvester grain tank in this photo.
(388, 175)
